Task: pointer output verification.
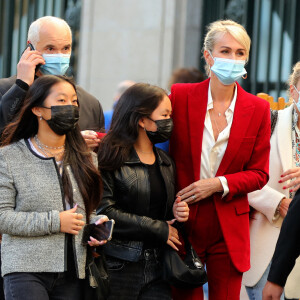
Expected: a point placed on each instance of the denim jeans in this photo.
(42, 286)
(138, 280)
(255, 292)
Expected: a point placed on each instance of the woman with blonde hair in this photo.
(272, 202)
(220, 145)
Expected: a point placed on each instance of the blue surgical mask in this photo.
(297, 103)
(56, 64)
(228, 70)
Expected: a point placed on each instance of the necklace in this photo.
(211, 114)
(48, 147)
(46, 151)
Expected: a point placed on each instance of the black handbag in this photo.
(188, 273)
(96, 283)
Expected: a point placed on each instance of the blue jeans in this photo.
(137, 280)
(42, 286)
(255, 292)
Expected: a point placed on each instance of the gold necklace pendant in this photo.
(215, 121)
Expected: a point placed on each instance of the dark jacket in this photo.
(288, 245)
(126, 199)
(12, 97)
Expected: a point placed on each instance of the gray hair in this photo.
(122, 87)
(34, 29)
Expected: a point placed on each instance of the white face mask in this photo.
(297, 103)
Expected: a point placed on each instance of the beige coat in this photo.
(264, 231)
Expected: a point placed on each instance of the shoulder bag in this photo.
(187, 273)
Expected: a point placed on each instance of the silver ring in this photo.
(193, 197)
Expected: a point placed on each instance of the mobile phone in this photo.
(103, 231)
(101, 135)
(99, 232)
(32, 49)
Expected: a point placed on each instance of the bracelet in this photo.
(277, 211)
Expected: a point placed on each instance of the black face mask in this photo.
(63, 118)
(163, 133)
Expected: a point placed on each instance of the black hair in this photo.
(77, 155)
(138, 101)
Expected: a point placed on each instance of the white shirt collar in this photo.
(210, 103)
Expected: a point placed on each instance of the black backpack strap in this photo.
(274, 117)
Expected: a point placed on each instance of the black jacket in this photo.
(12, 97)
(288, 245)
(126, 199)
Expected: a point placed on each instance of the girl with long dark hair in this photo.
(139, 193)
(49, 189)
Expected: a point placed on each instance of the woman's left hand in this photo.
(294, 176)
(200, 190)
(93, 242)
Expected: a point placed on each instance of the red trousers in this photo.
(224, 281)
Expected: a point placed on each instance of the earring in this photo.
(41, 118)
(245, 76)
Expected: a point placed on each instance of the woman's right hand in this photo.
(70, 221)
(173, 237)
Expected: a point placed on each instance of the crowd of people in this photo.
(58, 175)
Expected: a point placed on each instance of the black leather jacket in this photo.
(126, 199)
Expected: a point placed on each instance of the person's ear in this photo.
(142, 122)
(37, 111)
(293, 91)
(209, 60)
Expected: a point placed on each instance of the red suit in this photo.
(221, 225)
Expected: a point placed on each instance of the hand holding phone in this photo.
(32, 49)
(28, 64)
(91, 138)
(100, 232)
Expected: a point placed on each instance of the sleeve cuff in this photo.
(277, 213)
(55, 222)
(23, 85)
(224, 185)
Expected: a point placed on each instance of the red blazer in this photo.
(245, 163)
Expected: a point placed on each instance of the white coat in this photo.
(264, 231)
